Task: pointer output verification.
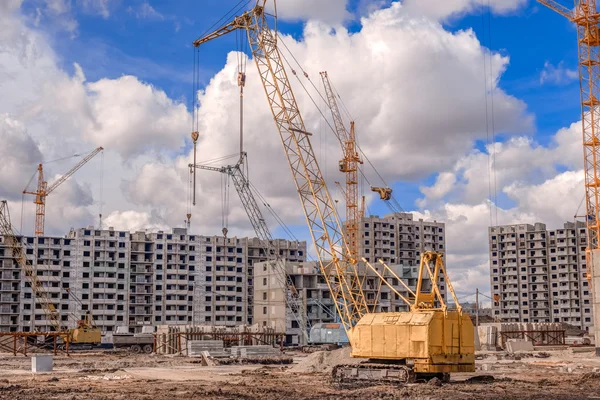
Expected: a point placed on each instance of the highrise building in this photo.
(136, 279)
(396, 239)
(539, 275)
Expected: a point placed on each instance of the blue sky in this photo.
(151, 41)
(157, 48)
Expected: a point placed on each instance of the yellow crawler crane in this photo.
(429, 339)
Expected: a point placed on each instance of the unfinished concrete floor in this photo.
(563, 375)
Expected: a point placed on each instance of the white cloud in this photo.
(529, 174)
(553, 201)
(98, 7)
(135, 221)
(53, 114)
(330, 11)
(145, 11)
(442, 10)
(20, 156)
(133, 117)
(392, 48)
(557, 75)
(520, 159)
(414, 89)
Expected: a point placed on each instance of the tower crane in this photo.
(429, 339)
(43, 190)
(586, 18)
(349, 166)
(292, 299)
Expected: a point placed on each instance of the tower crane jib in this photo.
(43, 190)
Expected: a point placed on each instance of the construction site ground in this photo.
(557, 374)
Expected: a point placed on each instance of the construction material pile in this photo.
(494, 336)
(324, 361)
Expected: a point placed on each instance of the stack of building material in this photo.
(518, 345)
(540, 333)
(254, 351)
(214, 348)
(173, 339)
(487, 335)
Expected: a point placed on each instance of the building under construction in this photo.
(136, 279)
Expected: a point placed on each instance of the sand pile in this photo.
(324, 361)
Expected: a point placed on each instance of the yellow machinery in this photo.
(429, 339)
(86, 333)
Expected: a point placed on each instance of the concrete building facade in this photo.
(396, 239)
(539, 275)
(136, 279)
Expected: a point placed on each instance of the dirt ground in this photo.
(561, 375)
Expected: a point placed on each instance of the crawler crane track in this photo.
(373, 373)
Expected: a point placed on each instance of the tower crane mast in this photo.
(43, 190)
(349, 166)
(586, 18)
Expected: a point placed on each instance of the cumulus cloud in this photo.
(441, 10)
(414, 89)
(520, 159)
(20, 156)
(557, 74)
(331, 11)
(388, 53)
(133, 117)
(131, 220)
(53, 114)
(532, 178)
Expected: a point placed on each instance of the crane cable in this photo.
(320, 111)
(489, 115)
(393, 203)
(225, 203)
(232, 12)
(493, 111)
(101, 187)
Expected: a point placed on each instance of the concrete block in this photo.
(42, 363)
(476, 337)
(518, 345)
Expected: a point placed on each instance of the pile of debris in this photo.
(324, 361)
(265, 360)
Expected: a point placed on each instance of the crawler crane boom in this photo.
(342, 278)
(430, 339)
